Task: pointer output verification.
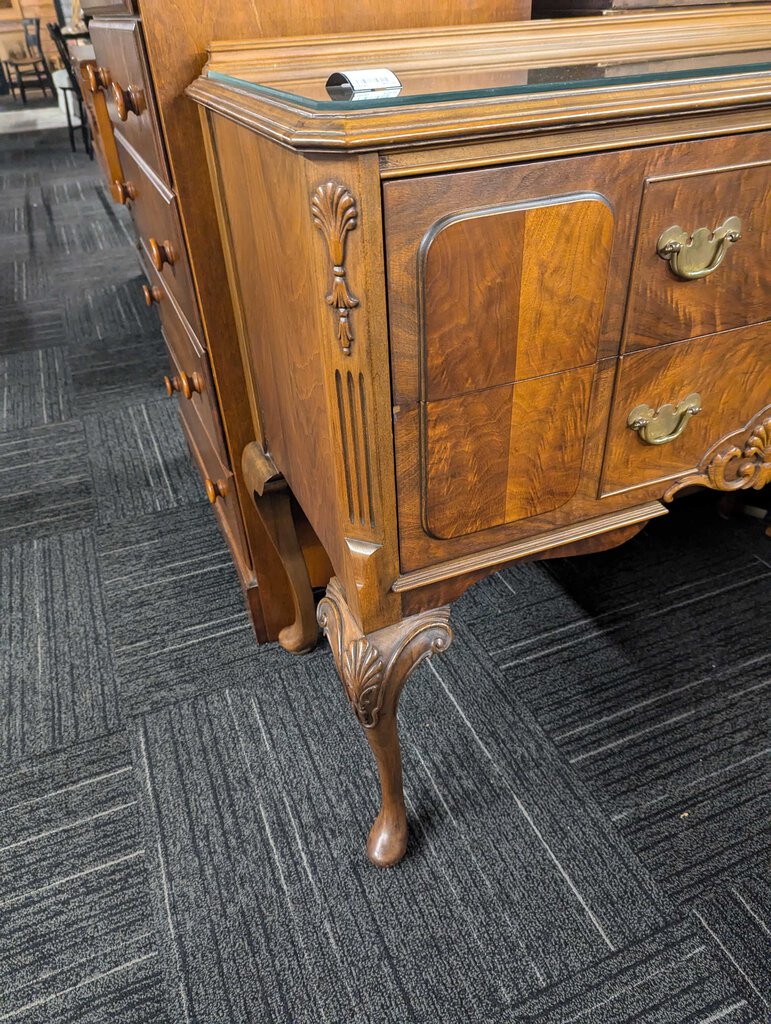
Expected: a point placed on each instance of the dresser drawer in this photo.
(728, 372)
(107, 7)
(219, 484)
(192, 378)
(154, 209)
(709, 207)
(125, 78)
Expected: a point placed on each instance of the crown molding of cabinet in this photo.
(467, 120)
(285, 63)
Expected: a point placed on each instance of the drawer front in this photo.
(485, 463)
(493, 285)
(731, 374)
(668, 300)
(219, 484)
(125, 79)
(192, 378)
(154, 209)
(494, 352)
(107, 7)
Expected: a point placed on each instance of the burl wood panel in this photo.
(488, 459)
(663, 307)
(731, 373)
(120, 51)
(513, 293)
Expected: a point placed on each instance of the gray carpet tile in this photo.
(674, 977)
(139, 461)
(738, 919)
(46, 481)
(55, 658)
(35, 388)
(174, 608)
(37, 323)
(261, 797)
(73, 891)
(108, 375)
(110, 314)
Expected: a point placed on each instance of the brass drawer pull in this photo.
(215, 489)
(161, 252)
(152, 294)
(700, 254)
(664, 424)
(123, 191)
(127, 101)
(188, 384)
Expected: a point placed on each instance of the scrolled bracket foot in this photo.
(270, 494)
(374, 668)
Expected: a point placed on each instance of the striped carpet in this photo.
(182, 814)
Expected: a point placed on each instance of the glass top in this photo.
(437, 83)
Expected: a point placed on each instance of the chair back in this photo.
(55, 32)
(61, 17)
(32, 36)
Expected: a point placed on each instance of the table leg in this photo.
(374, 668)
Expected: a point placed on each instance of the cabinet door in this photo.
(495, 336)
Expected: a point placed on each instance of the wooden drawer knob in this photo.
(123, 191)
(152, 294)
(215, 489)
(127, 101)
(97, 78)
(189, 384)
(161, 252)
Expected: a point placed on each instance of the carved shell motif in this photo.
(363, 676)
(334, 214)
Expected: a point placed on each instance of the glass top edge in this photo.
(508, 81)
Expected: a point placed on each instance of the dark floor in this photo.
(184, 814)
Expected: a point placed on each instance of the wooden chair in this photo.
(31, 71)
(72, 89)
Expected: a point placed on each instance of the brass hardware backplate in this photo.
(665, 424)
(700, 254)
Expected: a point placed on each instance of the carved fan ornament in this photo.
(728, 467)
(334, 214)
(374, 668)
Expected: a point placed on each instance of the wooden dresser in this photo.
(507, 311)
(148, 139)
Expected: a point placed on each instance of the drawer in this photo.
(220, 486)
(665, 305)
(107, 7)
(125, 78)
(154, 209)
(731, 374)
(485, 462)
(192, 378)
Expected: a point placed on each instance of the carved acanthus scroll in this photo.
(334, 214)
(727, 467)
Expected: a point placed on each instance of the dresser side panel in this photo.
(266, 214)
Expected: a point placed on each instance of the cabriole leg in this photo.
(374, 668)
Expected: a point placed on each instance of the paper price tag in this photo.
(364, 82)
